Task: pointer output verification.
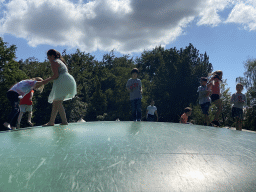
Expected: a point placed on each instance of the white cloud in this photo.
(124, 25)
(245, 14)
(209, 14)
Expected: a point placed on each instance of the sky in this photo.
(224, 29)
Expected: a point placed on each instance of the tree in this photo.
(9, 75)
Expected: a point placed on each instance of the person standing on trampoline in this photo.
(151, 111)
(134, 86)
(204, 99)
(26, 106)
(185, 115)
(239, 100)
(17, 91)
(214, 85)
(64, 86)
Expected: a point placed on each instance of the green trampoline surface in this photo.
(127, 156)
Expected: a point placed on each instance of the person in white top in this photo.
(17, 91)
(151, 111)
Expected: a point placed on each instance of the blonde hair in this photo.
(187, 109)
(41, 88)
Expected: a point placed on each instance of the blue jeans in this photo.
(136, 109)
(14, 100)
(151, 117)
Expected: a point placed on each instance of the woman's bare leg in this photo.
(218, 104)
(53, 114)
(62, 112)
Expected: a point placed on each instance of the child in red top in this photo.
(184, 116)
(26, 106)
(214, 85)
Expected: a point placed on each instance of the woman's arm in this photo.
(31, 96)
(55, 67)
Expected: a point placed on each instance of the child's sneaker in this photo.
(216, 123)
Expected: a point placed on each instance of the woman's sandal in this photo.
(47, 125)
(31, 124)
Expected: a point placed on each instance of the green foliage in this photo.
(250, 119)
(9, 75)
(174, 77)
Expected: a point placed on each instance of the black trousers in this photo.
(14, 100)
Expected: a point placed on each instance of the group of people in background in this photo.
(64, 88)
(209, 91)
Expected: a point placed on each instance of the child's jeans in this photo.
(14, 100)
(151, 117)
(136, 109)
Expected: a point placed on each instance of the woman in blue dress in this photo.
(64, 86)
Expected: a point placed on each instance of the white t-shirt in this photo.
(23, 87)
(151, 109)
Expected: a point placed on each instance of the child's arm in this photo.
(128, 86)
(140, 87)
(245, 100)
(31, 96)
(156, 115)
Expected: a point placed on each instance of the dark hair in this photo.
(187, 109)
(240, 84)
(135, 70)
(217, 76)
(203, 78)
(56, 54)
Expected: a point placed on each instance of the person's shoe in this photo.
(7, 126)
(216, 123)
(64, 124)
(31, 124)
(47, 125)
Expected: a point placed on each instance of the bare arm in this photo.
(55, 67)
(156, 115)
(31, 96)
(39, 84)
